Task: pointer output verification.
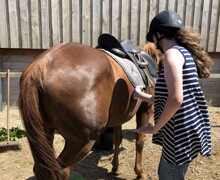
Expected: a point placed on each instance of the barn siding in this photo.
(40, 24)
(18, 59)
(28, 27)
(211, 86)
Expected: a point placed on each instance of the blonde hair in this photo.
(191, 41)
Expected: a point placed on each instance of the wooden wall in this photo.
(211, 86)
(18, 59)
(40, 24)
(30, 26)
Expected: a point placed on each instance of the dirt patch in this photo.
(18, 164)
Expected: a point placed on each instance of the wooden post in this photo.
(1, 98)
(1, 91)
(8, 143)
(8, 106)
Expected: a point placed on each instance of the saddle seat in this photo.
(128, 50)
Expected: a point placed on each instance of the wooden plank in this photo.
(143, 22)
(152, 9)
(134, 33)
(35, 25)
(106, 16)
(197, 17)
(218, 33)
(214, 76)
(216, 66)
(16, 53)
(172, 5)
(205, 24)
(125, 20)
(116, 20)
(181, 9)
(25, 24)
(56, 22)
(13, 23)
(96, 22)
(189, 13)
(46, 24)
(17, 59)
(9, 144)
(86, 22)
(1, 89)
(66, 10)
(162, 5)
(12, 74)
(14, 65)
(213, 28)
(4, 24)
(76, 21)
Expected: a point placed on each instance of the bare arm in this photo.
(173, 64)
(138, 93)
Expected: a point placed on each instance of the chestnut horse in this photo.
(77, 91)
(156, 54)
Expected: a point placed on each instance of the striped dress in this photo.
(188, 132)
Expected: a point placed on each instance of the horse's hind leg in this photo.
(117, 142)
(72, 153)
(142, 118)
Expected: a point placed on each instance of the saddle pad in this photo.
(129, 68)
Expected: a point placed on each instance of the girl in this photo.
(182, 125)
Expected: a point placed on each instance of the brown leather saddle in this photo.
(127, 49)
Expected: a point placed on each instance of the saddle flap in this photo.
(152, 66)
(129, 46)
(107, 41)
(110, 43)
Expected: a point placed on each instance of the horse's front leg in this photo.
(117, 142)
(142, 118)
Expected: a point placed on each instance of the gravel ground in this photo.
(18, 164)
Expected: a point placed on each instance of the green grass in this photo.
(217, 112)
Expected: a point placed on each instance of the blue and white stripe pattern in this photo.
(188, 132)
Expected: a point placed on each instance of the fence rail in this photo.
(40, 24)
(12, 74)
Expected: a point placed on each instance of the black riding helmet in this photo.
(165, 19)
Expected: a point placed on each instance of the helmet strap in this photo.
(158, 45)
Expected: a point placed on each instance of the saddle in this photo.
(128, 50)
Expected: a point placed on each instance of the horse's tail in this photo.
(34, 122)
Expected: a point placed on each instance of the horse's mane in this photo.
(150, 49)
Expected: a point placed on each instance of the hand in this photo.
(137, 90)
(145, 130)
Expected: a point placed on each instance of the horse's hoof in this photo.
(142, 176)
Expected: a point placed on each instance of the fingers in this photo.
(145, 130)
(139, 88)
(139, 130)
